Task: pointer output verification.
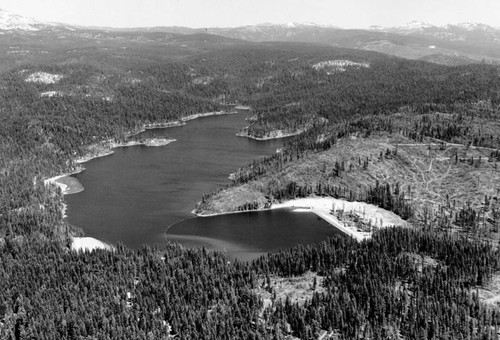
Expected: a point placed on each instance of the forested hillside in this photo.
(383, 87)
(63, 91)
(400, 284)
(435, 169)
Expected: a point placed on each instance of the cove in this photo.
(133, 195)
(249, 235)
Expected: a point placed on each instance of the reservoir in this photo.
(134, 195)
(251, 234)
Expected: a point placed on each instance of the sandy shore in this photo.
(276, 134)
(106, 148)
(146, 142)
(206, 114)
(87, 158)
(226, 213)
(157, 126)
(243, 107)
(68, 185)
(157, 142)
(88, 244)
(322, 206)
(53, 180)
(358, 235)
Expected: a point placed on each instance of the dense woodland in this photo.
(376, 289)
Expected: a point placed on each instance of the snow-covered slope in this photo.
(14, 22)
(9, 21)
(417, 26)
(473, 26)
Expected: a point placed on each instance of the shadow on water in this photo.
(251, 234)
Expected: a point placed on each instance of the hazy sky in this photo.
(224, 13)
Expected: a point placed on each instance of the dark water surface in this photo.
(135, 194)
(251, 234)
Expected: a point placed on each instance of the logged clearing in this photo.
(298, 289)
(44, 78)
(230, 200)
(438, 178)
(490, 293)
(357, 219)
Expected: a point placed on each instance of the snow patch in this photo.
(471, 26)
(332, 66)
(51, 94)
(88, 244)
(44, 78)
(18, 52)
(202, 80)
(416, 25)
(9, 21)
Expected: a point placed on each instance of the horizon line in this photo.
(287, 24)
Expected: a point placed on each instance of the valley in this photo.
(399, 154)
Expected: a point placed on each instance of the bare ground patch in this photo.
(439, 179)
(490, 293)
(297, 289)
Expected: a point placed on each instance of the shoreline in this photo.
(146, 142)
(206, 114)
(69, 189)
(228, 213)
(150, 126)
(243, 107)
(337, 224)
(105, 149)
(323, 206)
(107, 146)
(275, 134)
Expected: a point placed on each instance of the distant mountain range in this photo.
(457, 44)
(10, 21)
(450, 44)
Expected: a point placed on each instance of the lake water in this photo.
(250, 234)
(134, 195)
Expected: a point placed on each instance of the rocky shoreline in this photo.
(275, 134)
